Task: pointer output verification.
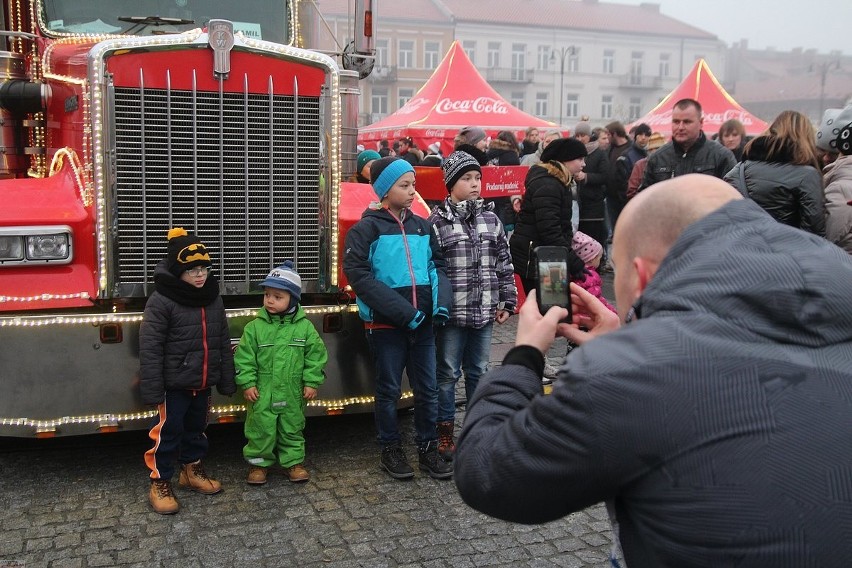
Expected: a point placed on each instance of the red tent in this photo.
(455, 96)
(717, 104)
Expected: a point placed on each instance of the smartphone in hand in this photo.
(553, 279)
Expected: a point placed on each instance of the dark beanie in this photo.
(456, 165)
(384, 173)
(564, 150)
(185, 252)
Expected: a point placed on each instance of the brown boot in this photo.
(446, 445)
(298, 473)
(192, 477)
(256, 475)
(162, 498)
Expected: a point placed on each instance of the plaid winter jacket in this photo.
(479, 266)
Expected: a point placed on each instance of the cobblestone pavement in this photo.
(82, 502)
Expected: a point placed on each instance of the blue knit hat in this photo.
(385, 172)
(285, 278)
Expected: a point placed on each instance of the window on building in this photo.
(431, 54)
(541, 104)
(493, 54)
(406, 54)
(664, 64)
(606, 106)
(382, 53)
(634, 110)
(609, 61)
(404, 96)
(379, 103)
(636, 67)
(469, 48)
(519, 51)
(573, 65)
(516, 98)
(572, 105)
(542, 60)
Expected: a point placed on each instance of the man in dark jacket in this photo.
(689, 151)
(715, 424)
(591, 188)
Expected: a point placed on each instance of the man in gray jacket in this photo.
(716, 423)
(689, 151)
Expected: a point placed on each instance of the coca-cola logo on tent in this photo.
(480, 105)
(412, 105)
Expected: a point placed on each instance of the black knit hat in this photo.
(456, 165)
(564, 150)
(185, 252)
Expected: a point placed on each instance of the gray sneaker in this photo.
(432, 463)
(394, 462)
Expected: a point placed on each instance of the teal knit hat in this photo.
(366, 156)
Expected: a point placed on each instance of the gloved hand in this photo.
(419, 318)
(441, 317)
(576, 267)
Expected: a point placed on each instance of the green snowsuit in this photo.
(278, 354)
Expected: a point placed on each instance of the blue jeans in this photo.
(460, 348)
(414, 351)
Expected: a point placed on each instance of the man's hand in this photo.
(587, 312)
(535, 329)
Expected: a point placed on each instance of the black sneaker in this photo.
(432, 463)
(394, 462)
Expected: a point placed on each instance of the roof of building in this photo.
(575, 14)
(411, 10)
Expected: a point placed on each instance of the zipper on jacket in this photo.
(206, 350)
(407, 258)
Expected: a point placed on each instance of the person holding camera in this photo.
(712, 414)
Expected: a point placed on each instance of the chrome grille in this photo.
(241, 170)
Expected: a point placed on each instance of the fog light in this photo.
(47, 247)
(11, 247)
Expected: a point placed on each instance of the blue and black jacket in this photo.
(396, 268)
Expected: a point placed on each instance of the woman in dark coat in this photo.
(780, 172)
(545, 216)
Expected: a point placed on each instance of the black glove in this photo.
(576, 266)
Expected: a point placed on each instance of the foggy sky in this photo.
(784, 24)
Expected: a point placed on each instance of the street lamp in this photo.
(563, 52)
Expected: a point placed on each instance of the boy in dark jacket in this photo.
(394, 265)
(184, 350)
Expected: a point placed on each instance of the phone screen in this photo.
(552, 285)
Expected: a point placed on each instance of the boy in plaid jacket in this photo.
(480, 271)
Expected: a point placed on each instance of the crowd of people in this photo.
(710, 408)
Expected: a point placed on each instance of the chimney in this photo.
(650, 6)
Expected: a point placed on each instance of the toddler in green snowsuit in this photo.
(280, 361)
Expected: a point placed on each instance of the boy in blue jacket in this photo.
(394, 265)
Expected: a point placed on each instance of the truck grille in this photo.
(241, 170)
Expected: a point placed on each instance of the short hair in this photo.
(617, 129)
(642, 128)
(684, 104)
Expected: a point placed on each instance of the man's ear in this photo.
(645, 270)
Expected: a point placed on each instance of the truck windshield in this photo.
(258, 19)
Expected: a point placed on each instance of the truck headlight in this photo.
(48, 247)
(11, 247)
(36, 245)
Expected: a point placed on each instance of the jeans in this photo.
(178, 432)
(460, 348)
(414, 351)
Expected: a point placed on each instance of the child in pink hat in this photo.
(590, 252)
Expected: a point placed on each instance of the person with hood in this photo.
(712, 414)
(835, 136)
(503, 150)
(780, 172)
(545, 217)
(394, 264)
